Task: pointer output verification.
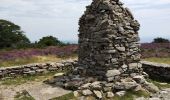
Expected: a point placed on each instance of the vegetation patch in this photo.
(24, 95)
(130, 95)
(159, 84)
(159, 60)
(24, 79)
(34, 59)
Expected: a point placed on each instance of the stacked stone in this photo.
(109, 54)
(109, 41)
(38, 68)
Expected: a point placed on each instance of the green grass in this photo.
(159, 60)
(24, 95)
(130, 95)
(159, 84)
(24, 79)
(35, 59)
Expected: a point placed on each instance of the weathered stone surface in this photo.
(96, 86)
(139, 79)
(121, 93)
(98, 94)
(107, 38)
(86, 92)
(110, 94)
(58, 74)
(112, 73)
(85, 86)
(76, 93)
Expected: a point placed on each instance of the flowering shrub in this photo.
(27, 53)
(147, 49)
(155, 50)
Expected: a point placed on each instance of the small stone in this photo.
(139, 79)
(86, 92)
(112, 73)
(85, 86)
(130, 85)
(110, 95)
(58, 74)
(110, 79)
(140, 98)
(114, 60)
(76, 93)
(107, 89)
(122, 49)
(133, 65)
(98, 94)
(96, 85)
(155, 98)
(124, 66)
(121, 93)
(119, 86)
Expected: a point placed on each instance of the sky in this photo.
(59, 18)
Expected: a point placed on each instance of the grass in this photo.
(159, 60)
(24, 79)
(24, 95)
(159, 84)
(35, 59)
(130, 95)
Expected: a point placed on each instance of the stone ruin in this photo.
(109, 41)
(108, 55)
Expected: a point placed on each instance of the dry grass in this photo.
(35, 59)
(159, 60)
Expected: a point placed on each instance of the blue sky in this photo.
(59, 18)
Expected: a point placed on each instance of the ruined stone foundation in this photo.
(108, 55)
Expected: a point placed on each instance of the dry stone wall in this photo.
(157, 71)
(154, 70)
(39, 68)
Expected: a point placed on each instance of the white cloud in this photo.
(60, 17)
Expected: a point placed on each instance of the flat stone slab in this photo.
(46, 92)
(37, 90)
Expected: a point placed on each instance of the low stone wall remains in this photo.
(154, 70)
(157, 71)
(38, 68)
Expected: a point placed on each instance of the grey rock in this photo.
(85, 86)
(139, 79)
(96, 85)
(110, 94)
(76, 93)
(86, 92)
(98, 94)
(155, 98)
(121, 93)
(121, 48)
(112, 73)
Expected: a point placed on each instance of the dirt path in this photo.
(38, 90)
